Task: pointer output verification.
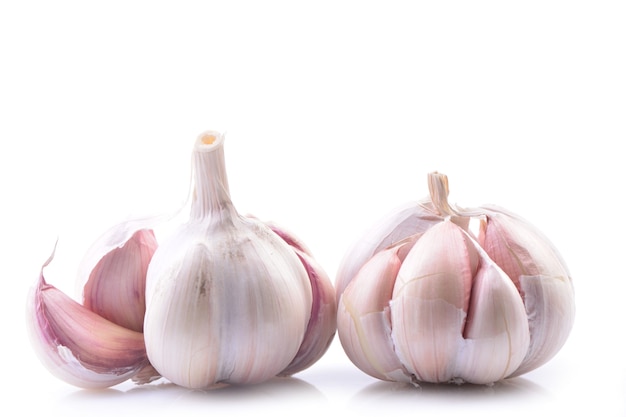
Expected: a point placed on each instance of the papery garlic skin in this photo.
(77, 345)
(228, 300)
(446, 306)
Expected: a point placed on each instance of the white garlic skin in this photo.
(439, 304)
(227, 300)
(230, 308)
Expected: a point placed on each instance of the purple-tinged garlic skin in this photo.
(322, 324)
(77, 345)
(99, 343)
(443, 305)
(116, 288)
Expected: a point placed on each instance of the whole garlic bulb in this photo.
(421, 298)
(227, 299)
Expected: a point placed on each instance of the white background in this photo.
(334, 113)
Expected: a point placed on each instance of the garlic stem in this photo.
(439, 191)
(211, 193)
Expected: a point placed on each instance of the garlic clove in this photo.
(518, 246)
(115, 287)
(364, 321)
(541, 276)
(550, 307)
(409, 219)
(496, 332)
(430, 302)
(322, 324)
(77, 345)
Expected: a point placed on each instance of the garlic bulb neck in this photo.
(439, 190)
(211, 196)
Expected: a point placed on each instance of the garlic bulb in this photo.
(226, 299)
(421, 298)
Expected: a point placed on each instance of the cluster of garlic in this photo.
(227, 299)
(422, 298)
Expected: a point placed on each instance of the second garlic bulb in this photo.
(421, 298)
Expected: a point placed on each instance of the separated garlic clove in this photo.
(228, 300)
(463, 308)
(77, 345)
(115, 286)
(541, 276)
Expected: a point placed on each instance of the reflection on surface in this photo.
(383, 392)
(290, 396)
(507, 387)
(167, 396)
